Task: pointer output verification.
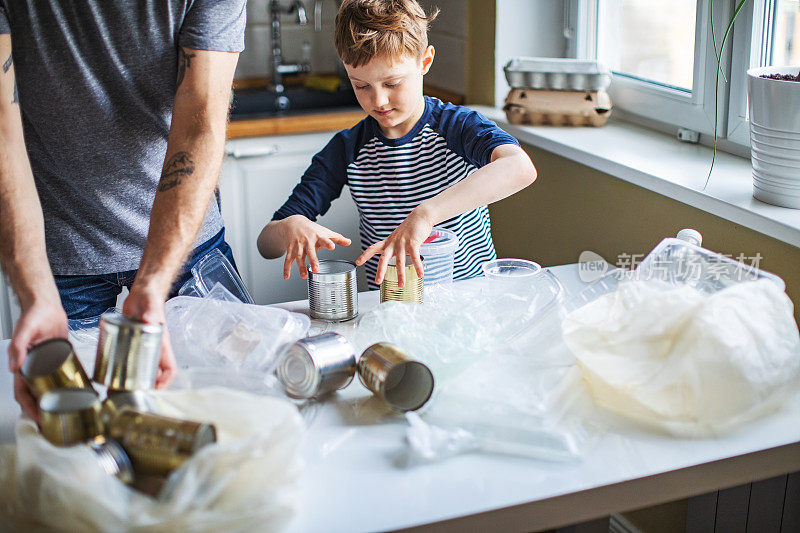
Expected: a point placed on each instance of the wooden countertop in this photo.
(301, 123)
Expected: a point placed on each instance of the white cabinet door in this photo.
(257, 179)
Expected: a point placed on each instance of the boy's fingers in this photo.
(400, 262)
(326, 243)
(312, 258)
(340, 239)
(384, 260)
(417, 260)
(369, 252)
(287, 264)
(301, 265)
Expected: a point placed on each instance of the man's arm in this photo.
(22, 246)
(188, 179)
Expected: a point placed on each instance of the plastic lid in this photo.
(441, 242)
(690, 235)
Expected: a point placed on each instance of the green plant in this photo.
(718, 56)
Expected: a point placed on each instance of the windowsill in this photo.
(662, 164)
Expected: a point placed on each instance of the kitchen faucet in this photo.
(279, 68)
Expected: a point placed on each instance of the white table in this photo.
(352, 481)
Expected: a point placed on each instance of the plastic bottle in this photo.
(690, 235)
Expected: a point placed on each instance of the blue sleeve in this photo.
(471, 135)
(214, 25)
(321, 183)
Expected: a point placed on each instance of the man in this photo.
(112, 126)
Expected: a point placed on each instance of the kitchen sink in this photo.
(262, 103)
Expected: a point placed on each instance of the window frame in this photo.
(652, 101)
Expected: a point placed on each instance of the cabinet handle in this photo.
(257, 151)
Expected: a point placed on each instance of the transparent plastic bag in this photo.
(248, 480)
(495, 390)
(219, 332)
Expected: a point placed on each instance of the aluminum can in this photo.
(332, 292)
(128, 353)
(70, 416)
(112, 458)
(52, 365)
(158, 444)
(317, 365)
(412, 291)
(116, 401)
(401, 382)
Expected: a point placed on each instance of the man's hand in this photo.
(42, 320)
(301, 239)
(147, 305)
(405, 240)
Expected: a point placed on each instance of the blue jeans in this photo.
(89, 296)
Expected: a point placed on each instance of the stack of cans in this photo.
(125, 434)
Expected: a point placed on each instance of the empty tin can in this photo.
(112, 458)
(116, 401)
(158, 444)
(52, 365)
(332, 291)
(401, 382)
(317, 365)
(128, 352)
(410, 292)
(70, 416)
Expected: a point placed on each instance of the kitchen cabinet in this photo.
(257, 177)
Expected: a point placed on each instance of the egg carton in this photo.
(557, 108)
(557, 74)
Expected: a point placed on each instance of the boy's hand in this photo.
(302, 239)
(405, 240)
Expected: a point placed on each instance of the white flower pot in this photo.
(774, 107)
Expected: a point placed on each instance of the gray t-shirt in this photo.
(96, 82)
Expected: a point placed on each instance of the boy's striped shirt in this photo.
(388, 178)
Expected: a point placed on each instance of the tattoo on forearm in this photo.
(6, 67)
(184, 62)
(176, 168)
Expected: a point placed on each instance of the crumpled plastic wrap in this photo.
(495, 391)
(218, 340)
(248, 480)
(689, 362)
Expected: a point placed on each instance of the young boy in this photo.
(412, 164)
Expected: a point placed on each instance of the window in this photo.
(663, 59)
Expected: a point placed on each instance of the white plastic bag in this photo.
(689, 362)
(246, 481)
(219, 332)
(495, 389)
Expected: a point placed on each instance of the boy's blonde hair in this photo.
(366, 29)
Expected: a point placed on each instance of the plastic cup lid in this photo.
(440, 242)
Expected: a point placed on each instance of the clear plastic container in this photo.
(438, 253)
(215, 268)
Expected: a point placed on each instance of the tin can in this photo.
(317, 365)
(332, 291)
(401, 382)
(128, 352)
(158, 444)
(70, 416)
(52, 365)
(116, 401)
(112, 458)
(410, 292)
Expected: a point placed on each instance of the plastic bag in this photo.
(495, 390)
(248, 480)
(689, 362)
(217, 332)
